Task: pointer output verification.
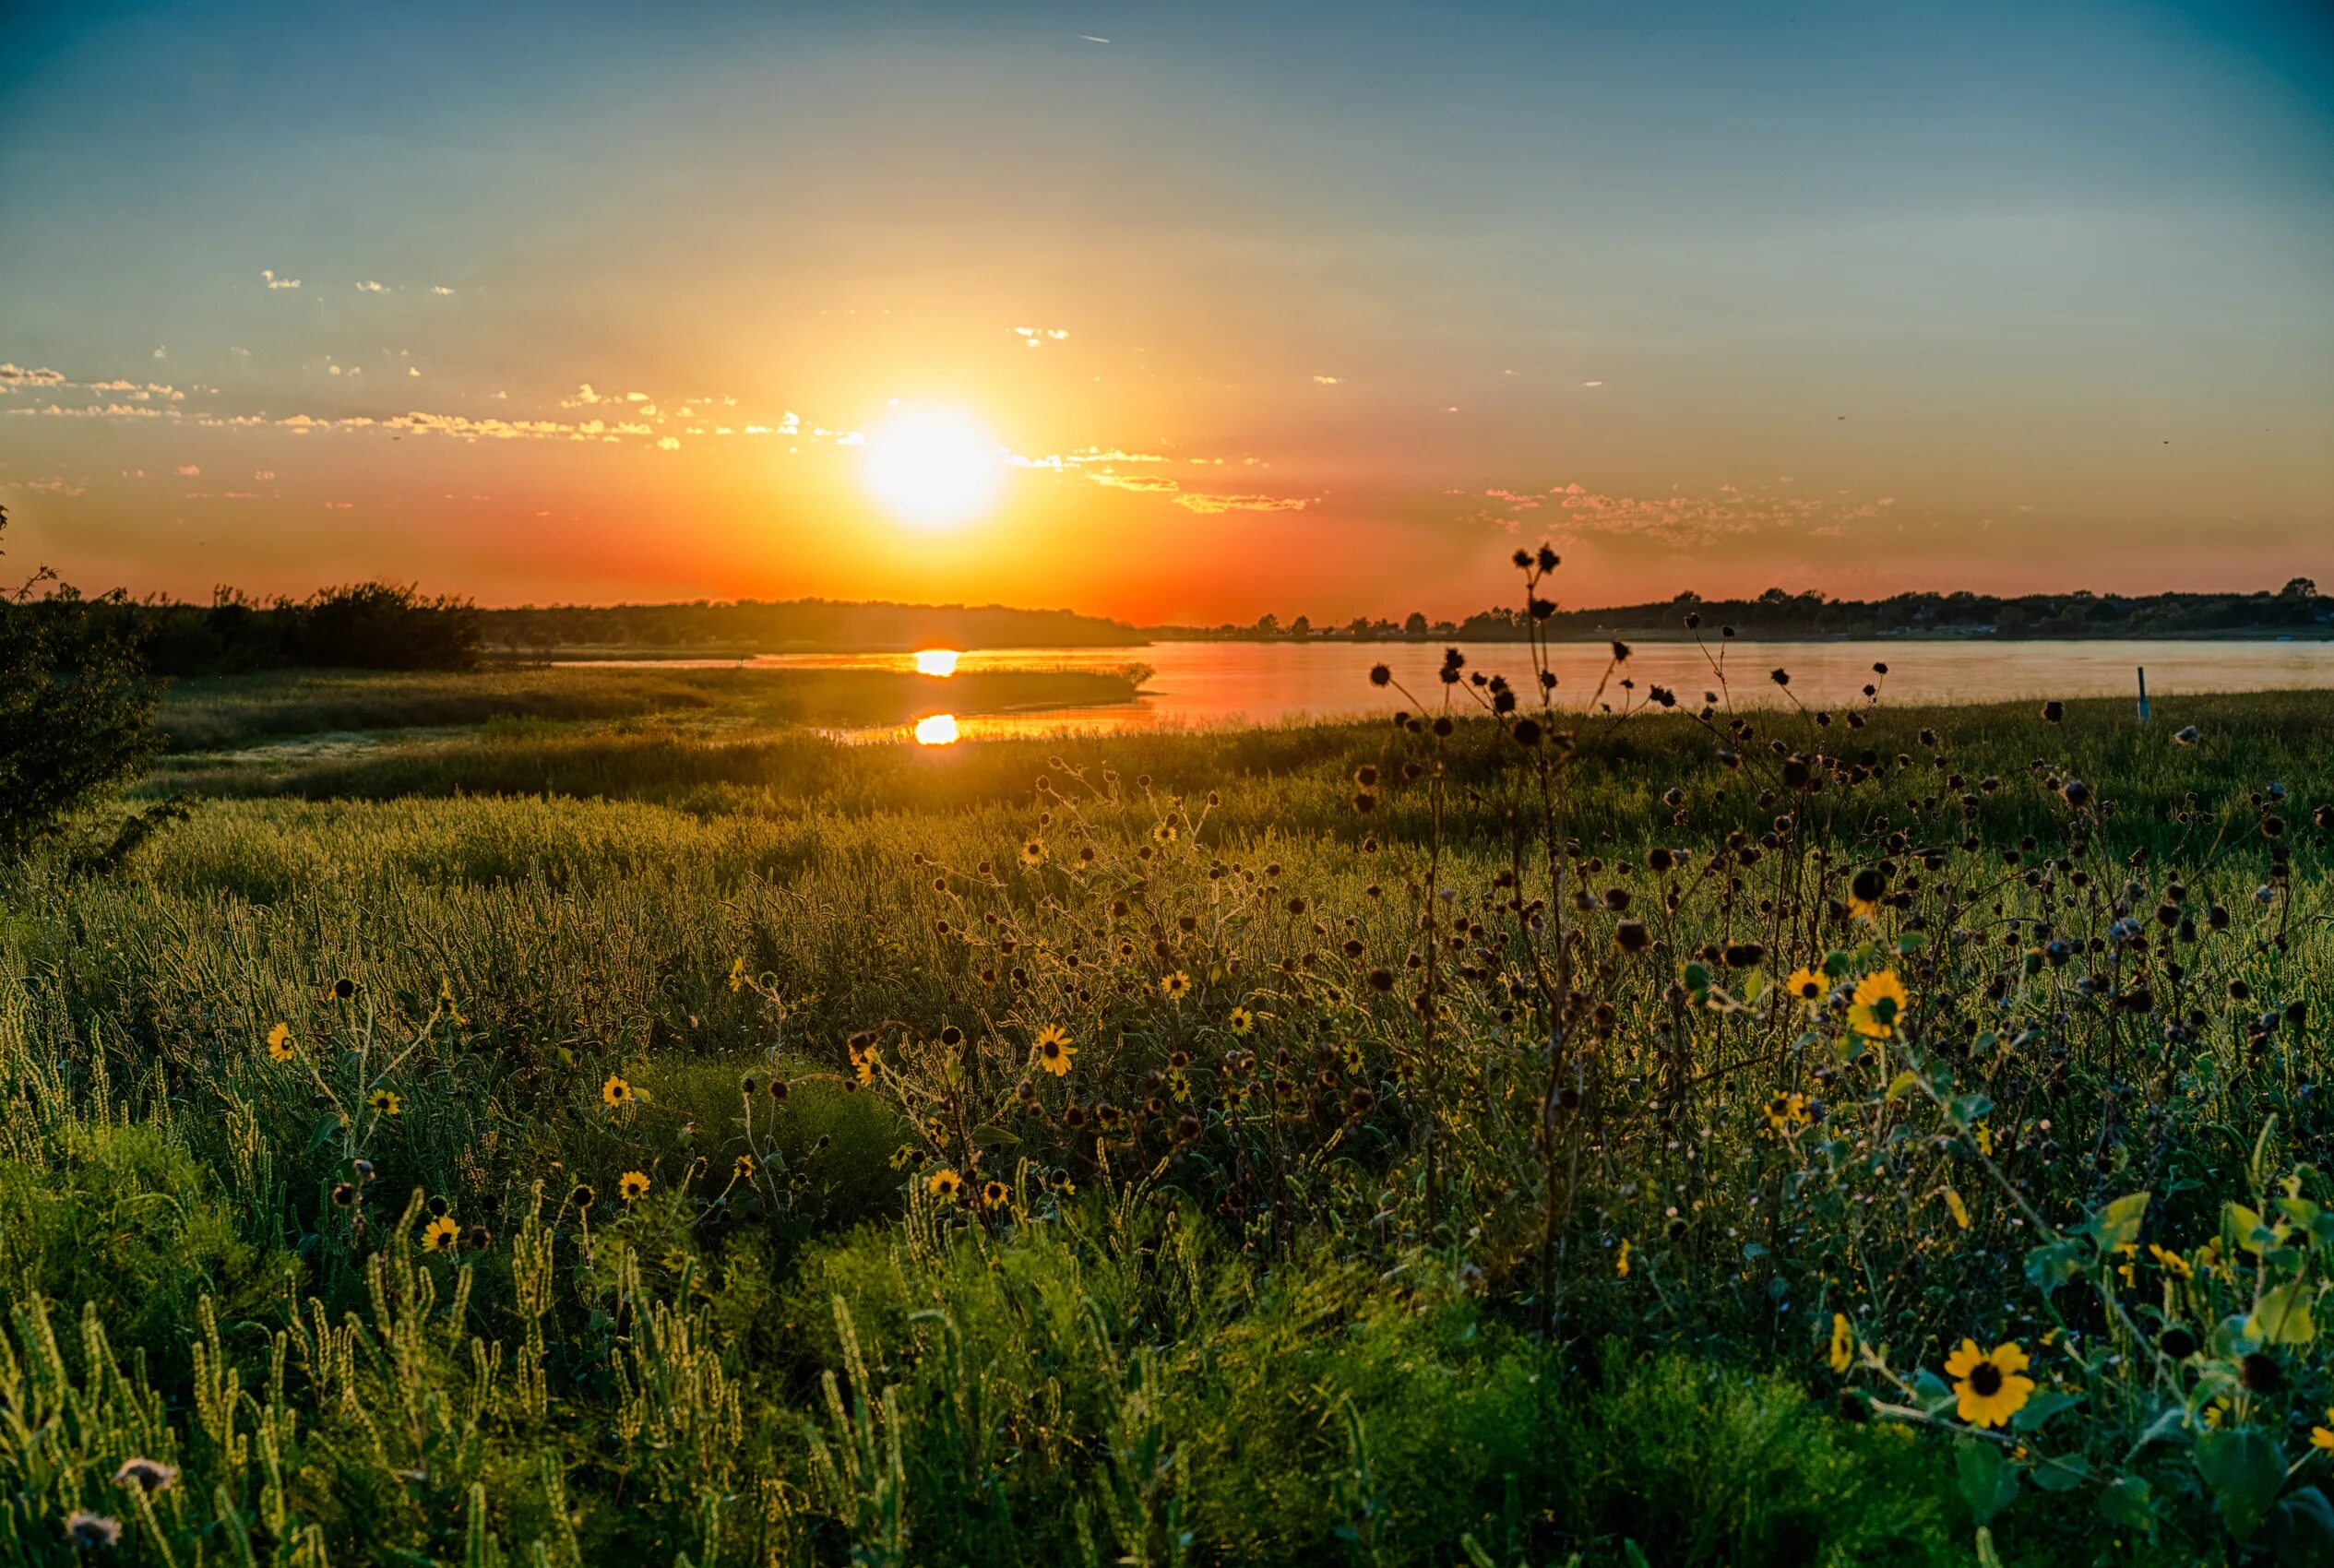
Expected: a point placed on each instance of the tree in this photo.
(1267, 624)
(1415, 626)
(1302, 626)
(76, 713)
(2299, 587)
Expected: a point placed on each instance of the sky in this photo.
(1238, 308)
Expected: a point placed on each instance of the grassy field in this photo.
(593, 1135)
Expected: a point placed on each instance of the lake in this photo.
(1201, 683)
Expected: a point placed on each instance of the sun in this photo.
(933, 468)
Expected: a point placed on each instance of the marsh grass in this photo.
(1394, 1245)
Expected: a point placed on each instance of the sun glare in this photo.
(936, 660)
(940, 729)
(933, 468)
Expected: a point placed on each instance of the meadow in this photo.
(1509, 1134)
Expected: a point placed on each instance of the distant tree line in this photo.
(2295, 609)
(362, 626)
(771, 626)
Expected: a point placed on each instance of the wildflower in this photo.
(440, 1234)
(385, 1102)
(1984, 1135)
(1786, 1114)
(344, 990)
(615, 1092)
(742, 1167)
(631, 1186)
(1172, 987)
(150, 1476)
(1033, 852)
(1055, 1049)
(88, 1531)
(1632, 936)
(1843, 1343)
(582, 1198)
(2170, 1262)
(995, 1195)
(2321, 1437)
(445, 1007)
(863, 1059)
(1992, 1384)
(1879, 1000)
(280, 1043)
(1163, 833)
(1960, 1210)
(1241, 1021)
(1621, 1263)
(737, 975)
(343, 1195)
(945, 1185)
(1806, 985)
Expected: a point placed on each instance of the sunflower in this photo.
(1241, 1021)
(2172, 1263)
(615, 1092)
(1992, 1384)
(1806, 985)
(1163, 834)
(743, 1167)
(1033, 852)
(1843, 1343)
(996, 1194)
(1054, 1051)
(441, 1234)
(2322, 1437)
(737, 975)
(945, 1185)
(631, 1186)
(1879, 1002)
(385, 1102)
(280, 1043)
(863, 1061)
(1172, 987)
(1786, 1114)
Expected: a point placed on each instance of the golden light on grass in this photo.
(940, 729)
(941, 662)
(933, 468)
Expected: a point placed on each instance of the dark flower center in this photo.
(1986, 1379)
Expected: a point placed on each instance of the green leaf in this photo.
(1970, 1109)
(2127, 1501)
(1753, 986)
(1989, 1482)
(994, 1137)
(1911, 941)
(2117, 1225)
(2042, 1408)
(2302, 1530)
(2053, 1264)
(2245, 1472)
(2243, 1228)
(1697, 976)
(2064, 1473)
(1903, 1082)
(2282, 1315)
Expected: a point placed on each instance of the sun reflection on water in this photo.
(936, 660)
(940, 729)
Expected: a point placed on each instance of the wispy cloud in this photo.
(1328, 381)
(1038, 337)
(17, 376)
(440, 289)
(269, 274)
(367, 285)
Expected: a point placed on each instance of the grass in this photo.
(222, 713)
(1439, 1217)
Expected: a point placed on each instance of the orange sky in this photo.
(1254, 324)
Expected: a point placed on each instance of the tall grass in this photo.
(1447, 1166)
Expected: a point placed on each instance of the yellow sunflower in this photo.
(945, 1185)
(1843, 1343)
(1786, 1114)
(1055, 1051)
(615, 1092)
(743, 1167)
(631, 1186)
(1033, 852)
(2320, 1437)
(1806, 985)
(1241, 1021)
(1879, 1002)
(1992, 1384)
(996, 1194)
(440, 1235)
(385, 1102)
(1163, 834)
(1174, 987)
(280, 1043)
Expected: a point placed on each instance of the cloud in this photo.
(1328, 381)
(1211, 504)
(142, 391)
(440, 289)
(188, 470)
(585, 396)
(1676, 519)
(1038, 337)
(1592, 384)
(162, 353)
(667, 444)
(263, 475)
(367, 285)
(16, 374)
(275, 282)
